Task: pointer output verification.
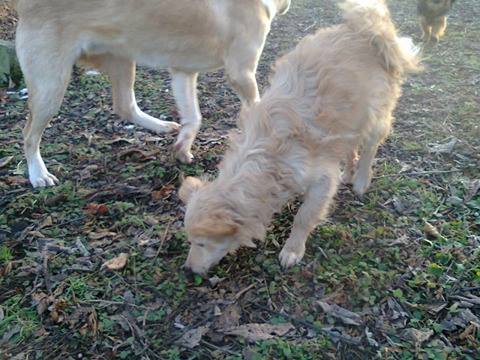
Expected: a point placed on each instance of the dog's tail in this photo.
(372, 19)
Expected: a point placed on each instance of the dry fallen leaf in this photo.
(445, 148)
(256, 332)
(229, 318)
(5, 161)
(417, 337)
(94, 209)
(193, 337)
(117, 263)
(163, 193)
(429, 229)
(346, 316)
(46, 222)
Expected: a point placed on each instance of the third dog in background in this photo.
(433, 18)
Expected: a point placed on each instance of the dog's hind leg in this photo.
(240, 68)
(350, 167)
(244, 83)
(121, 72)
(426, 29)
(184, 87)
(315, 206)
(363, 175)
(438, 28)
(46, 61)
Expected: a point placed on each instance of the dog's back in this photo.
(342, 81)
(150, 31)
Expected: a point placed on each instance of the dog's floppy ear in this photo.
(215, 223)
(189, 186)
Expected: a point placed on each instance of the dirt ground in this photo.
(394, 275)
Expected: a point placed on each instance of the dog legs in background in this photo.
(426, 29)
(438, 28)
(244, 83)
(184, 86)
(241, 73)
(315, 206)
(433, 30)
(121, 73)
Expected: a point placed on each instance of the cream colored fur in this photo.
(330, 96)
(183, 35)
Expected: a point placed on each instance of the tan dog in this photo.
(183, 35)
(333, 94)
(433, 18)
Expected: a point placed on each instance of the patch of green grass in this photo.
(283, 349)
(5, 254)
(20, 320)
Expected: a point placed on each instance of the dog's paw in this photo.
(182, 150)
(361, 185)
(168, 127)
(289, 258)
(184, 157)
(43, 180)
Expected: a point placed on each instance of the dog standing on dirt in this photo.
(330, 96)
(433, 18)
(183, 35)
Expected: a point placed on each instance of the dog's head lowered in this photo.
(213, 228)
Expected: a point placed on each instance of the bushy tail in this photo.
(372, 19)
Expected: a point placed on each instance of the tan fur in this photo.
(331, 95)
(183, 35)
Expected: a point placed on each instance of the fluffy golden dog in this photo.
(433, 18)
(186, 36)
(333, 94)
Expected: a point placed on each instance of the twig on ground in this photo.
(46, 274)
(415, 173)
(241, 292)
(162, 241)
(109, 302)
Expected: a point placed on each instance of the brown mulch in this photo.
(8, 21)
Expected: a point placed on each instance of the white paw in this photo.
(360, 185)
(43, 179)
(151, 123)
(184, 156)
(183, 146)
(289, 258)
(167, 126)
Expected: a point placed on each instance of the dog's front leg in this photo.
(184, 87)
(313, 210)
